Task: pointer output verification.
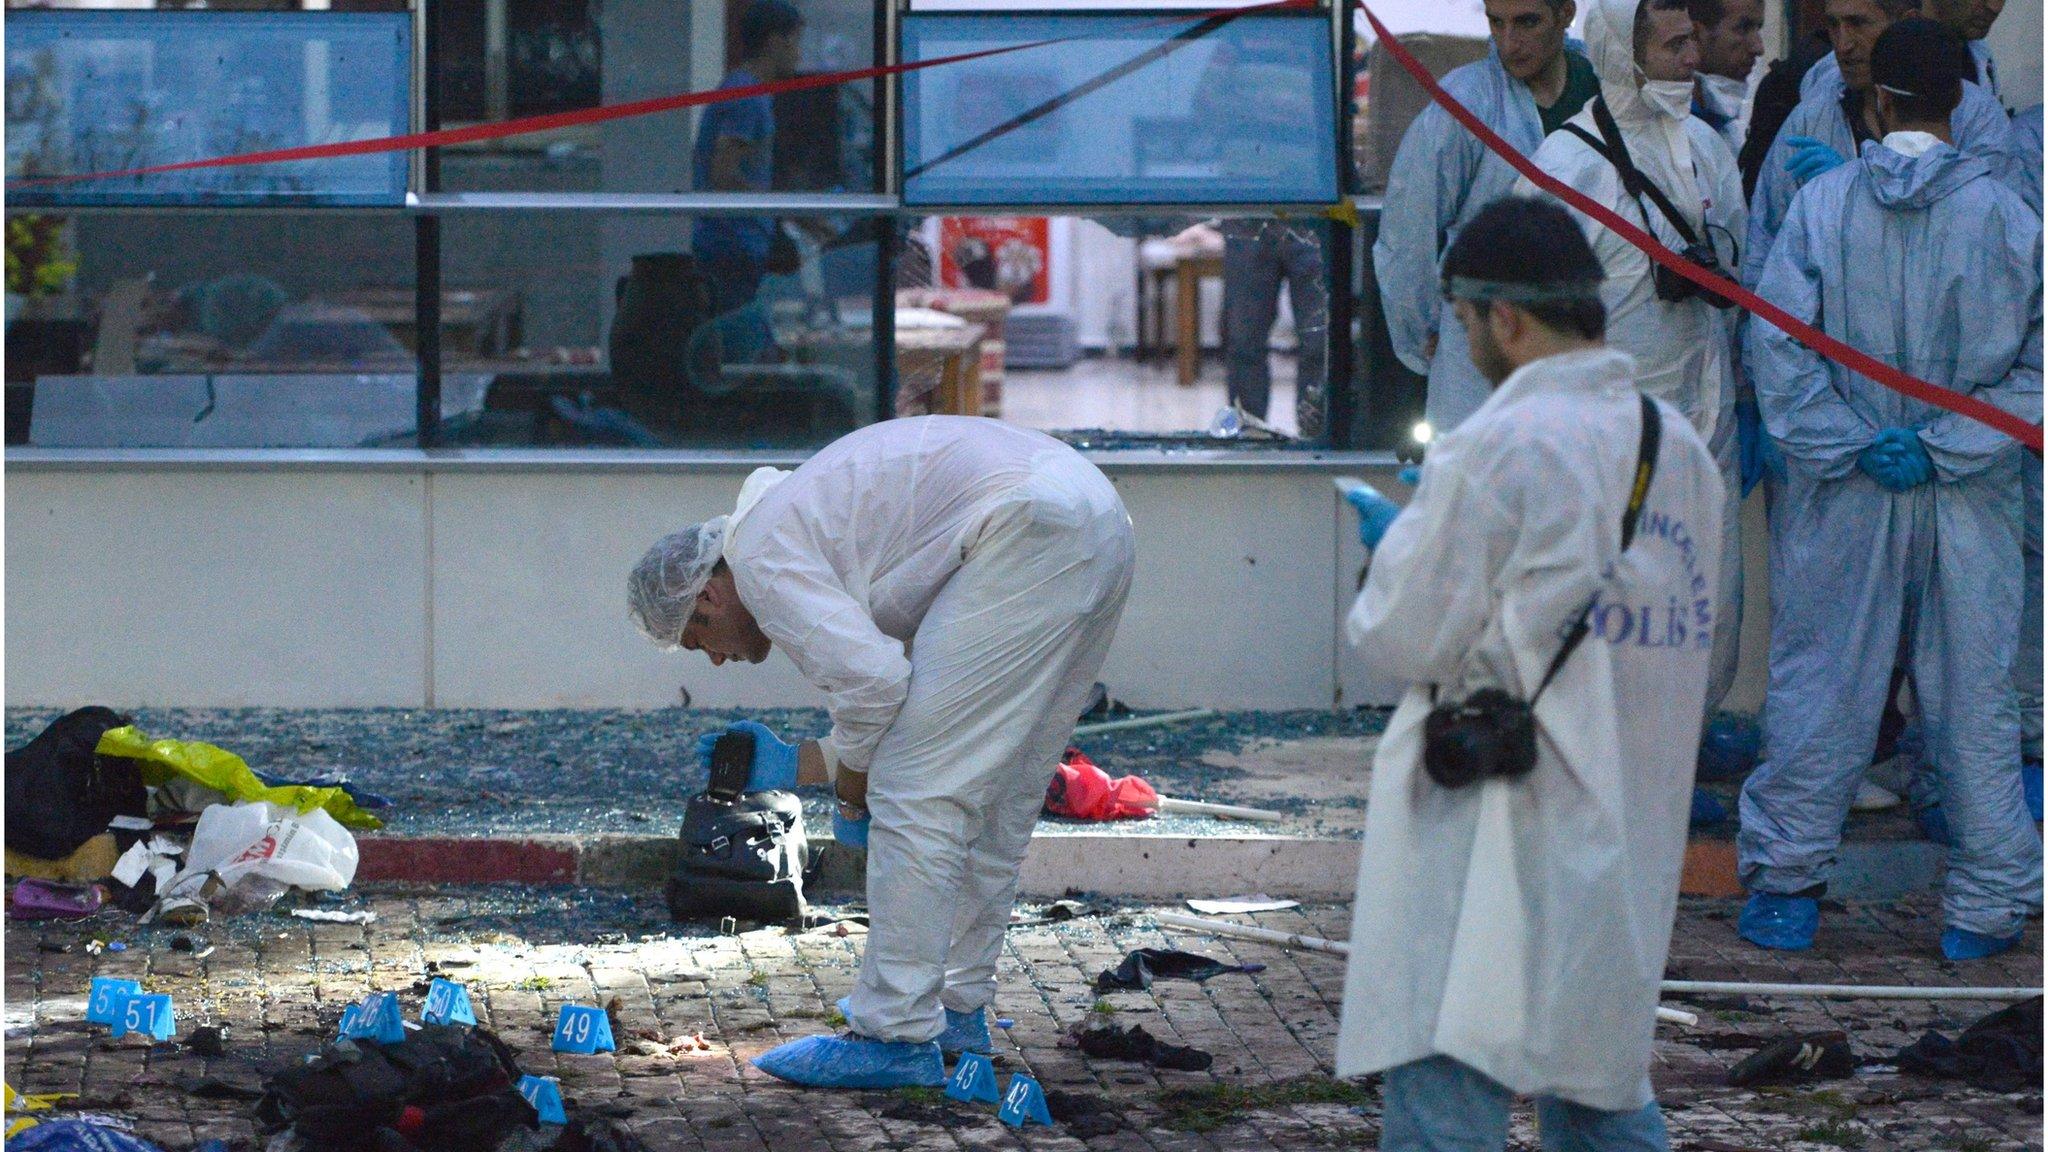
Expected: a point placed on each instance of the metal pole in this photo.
(1668, 987)
(1143, 722)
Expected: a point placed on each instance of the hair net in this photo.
(664, 586)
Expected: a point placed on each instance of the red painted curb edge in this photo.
(439, 860)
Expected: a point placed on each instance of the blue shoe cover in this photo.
(1706, 810)
(2030, 783)
(854, 1061)
(1783, 923)
(1963, 944)
(1729, 746)
(966, 1032)
(1933, 822)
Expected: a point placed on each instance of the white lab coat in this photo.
(1521, 927)
(1684, 351)
(952, 585)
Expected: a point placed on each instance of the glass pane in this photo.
(620, 337)
(1139, 111)
(505, 58)
(1124, 331)
(103, 91)
(220, 330)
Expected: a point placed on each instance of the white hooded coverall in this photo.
(952, 585)
(1520, 927)
(1685, 350)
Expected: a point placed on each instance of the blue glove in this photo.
(774, 761)
(1896, 460)
(1410, 475)
(1375, 513)
(1749, 438)
(1809, 157)
(1915, 467)
(852, 833)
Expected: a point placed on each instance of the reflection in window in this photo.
(105, 91)
(629, 339)
(1130, 111)
(503, 58)
(219, 330)
(1120, 330)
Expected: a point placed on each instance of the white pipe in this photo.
(1247, 932)
(1848, 991)
(1669, 987)
(1143, 722)
(1220, 811)
(1333, 947)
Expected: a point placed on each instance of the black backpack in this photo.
(60, 793)
(444, 1087)
(743, 858)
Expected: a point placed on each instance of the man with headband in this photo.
(951, 584)
(1557, 562)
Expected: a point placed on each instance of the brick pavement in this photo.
(279, 985)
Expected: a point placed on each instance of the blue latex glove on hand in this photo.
(852, 833)
(1809, 157)
(1375, 513)
(1410, 475)
(1757, 452)
(1897, 460)
(774, 761)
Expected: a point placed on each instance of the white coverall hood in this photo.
(1611, 45)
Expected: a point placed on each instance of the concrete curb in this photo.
(1301, 867)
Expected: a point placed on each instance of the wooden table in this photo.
(1188, 273)
(954, 355)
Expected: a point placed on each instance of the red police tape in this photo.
(530, 124)
(1820, 342)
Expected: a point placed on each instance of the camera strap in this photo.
(1637, 185)
(1646, 467)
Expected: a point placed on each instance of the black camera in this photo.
(1488, 734)
(1672, 288)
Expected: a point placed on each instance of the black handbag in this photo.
(1491, 733)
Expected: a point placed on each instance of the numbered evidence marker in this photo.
(546, 1097)
(1024, 1103)
(376, 1019)
(447, 1003)
(147, 1014)
(583, 1029)
(974, 1080)
(104, 1005)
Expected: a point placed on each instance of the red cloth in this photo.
(1081, 790)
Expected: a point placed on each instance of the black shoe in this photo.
(1796, 1060)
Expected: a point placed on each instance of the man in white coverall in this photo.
(1511, 933)
(1647, 57)
(951, 584)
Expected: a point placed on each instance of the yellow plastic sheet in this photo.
(227, 773)
(15, 1103)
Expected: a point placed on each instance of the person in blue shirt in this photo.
(735, 152)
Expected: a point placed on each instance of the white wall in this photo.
(460, 586)
(456, 583)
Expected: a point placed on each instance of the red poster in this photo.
(1007, 254)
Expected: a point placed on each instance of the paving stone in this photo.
(280, 985)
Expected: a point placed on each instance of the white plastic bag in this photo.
(248, 854)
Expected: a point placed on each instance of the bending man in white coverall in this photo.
(1518, 927)
(951, 584)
